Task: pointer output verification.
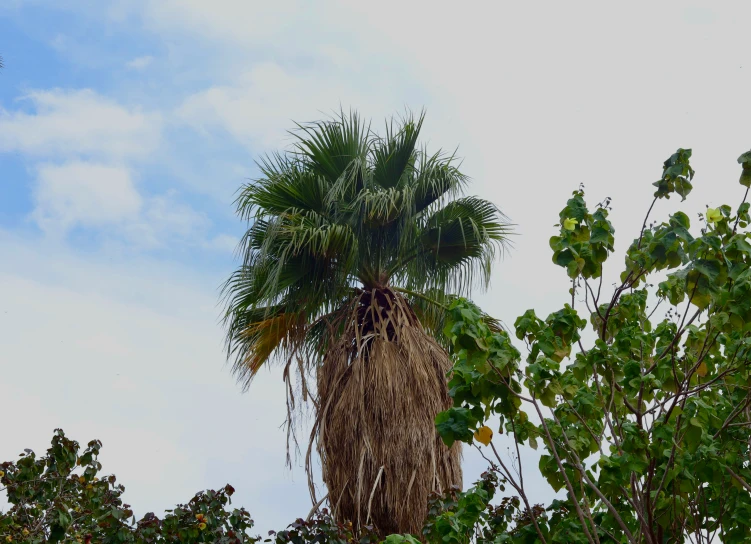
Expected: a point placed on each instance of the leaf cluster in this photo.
(648, 429)
(62, 497)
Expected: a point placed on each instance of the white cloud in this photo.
(223, 242)
(139, 63)
(229, 20)
(104, 197)
(86, 194)
(97, 145)
(165, 220)
(258, 108)
(79, 123)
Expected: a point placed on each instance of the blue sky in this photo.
(66, 68)
(127, 126)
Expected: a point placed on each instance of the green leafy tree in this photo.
(646, 429)
(61, 497)
(354, 239)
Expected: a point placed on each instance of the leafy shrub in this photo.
(61, 498)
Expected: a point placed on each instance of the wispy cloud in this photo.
(259, 106)
(81, 193)
(87, 152)
(223, 243)
(78, 123)
(165, 220)
(139, 63)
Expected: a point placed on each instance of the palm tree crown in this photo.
(346, 211)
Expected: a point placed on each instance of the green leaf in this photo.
(455, 424)
(57, 533)
(547, 397)
(745, 162)
(401, 539)
(711, 269)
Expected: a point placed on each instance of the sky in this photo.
(126, 127)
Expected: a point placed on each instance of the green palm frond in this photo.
(331, 148)
(284, 188)
(436, 177)
(394, 155)
(467, 227)
(346, 210)
(455, 247)
(378, 208)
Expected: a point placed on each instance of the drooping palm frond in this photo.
(436, 177)
(267, 334)
(457, 245)
(379, 394)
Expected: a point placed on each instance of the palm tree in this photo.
(353, 241)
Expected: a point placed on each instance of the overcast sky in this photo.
(126, 126)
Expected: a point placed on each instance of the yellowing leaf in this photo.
(702, 370)
(570, 223)
(714, 215)
(484, 434)
(561, 353)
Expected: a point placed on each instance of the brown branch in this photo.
(519, 489)
(644, 224)
(738, 479)
(570, 487)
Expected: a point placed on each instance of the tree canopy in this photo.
(347, 210)
(647, 429)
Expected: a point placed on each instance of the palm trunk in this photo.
(381, 385)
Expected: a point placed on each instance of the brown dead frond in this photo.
(267, 335)
(381, 384)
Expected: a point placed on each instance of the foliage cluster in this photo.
(647, 428)
(61, 497)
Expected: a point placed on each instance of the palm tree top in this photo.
(347, 210)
